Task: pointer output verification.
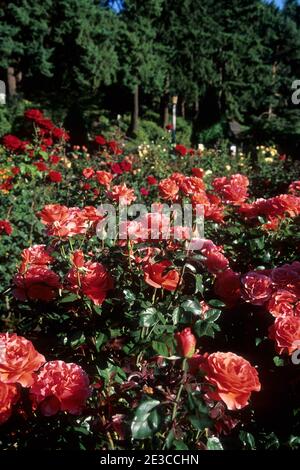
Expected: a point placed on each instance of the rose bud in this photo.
(186, 342)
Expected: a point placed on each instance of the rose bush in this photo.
(145, 340)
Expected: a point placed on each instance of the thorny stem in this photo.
(183, 379)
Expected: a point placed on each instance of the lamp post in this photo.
(174, 106)
(2, 92)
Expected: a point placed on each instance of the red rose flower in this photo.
(116, 169)
(181, 150)
(144, 192)
(232, 377)
(234, 190)
(151, 180)
(90, 279)
(60, 386)
(122, 194)
(41, 166)
(199, 172)
(257, 288)
(113, 147)
(104, 178)
(20, 360)
(168, 189)
(88, 173)
(186, 342)
(286, 334)
(35, 255)
(62, 221)
(100, 140)
(13, 143)
(37, 283)
(215, 260)
(55, 176)
(33, 114)
(60, 134)
(192, 185)
(54, 159)
(283, 303)
(5, 227)
(126, 166)
(159, 275)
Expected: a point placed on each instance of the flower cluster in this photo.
(52, 386)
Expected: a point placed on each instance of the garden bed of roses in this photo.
(148, 342)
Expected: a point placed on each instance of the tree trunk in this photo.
(135, 112)
(11, 82)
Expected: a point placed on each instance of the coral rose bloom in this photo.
(60, 386)
(104, 178)
(168, 189)
(157, 275)
(20, 360)
(257, 288)
(233, 377)
(37, 283)
(62, 221)
(92, 280)
(286, 334)
(37, 255)
(122, 194)
(283, 303)
(8, 396)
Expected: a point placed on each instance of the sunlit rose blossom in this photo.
(178, 178)
(286, 333)
(60, 386)
(9, 395)
(90, 279)
(62, 221)
(88, 173)
(37, 283)
(160, 276)
(35, 255)
(192, 185)
(104, 178)
(232, 378)
(20, 360)
(122, 194)
(168, 189)
(284, 303)
(234, 190)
